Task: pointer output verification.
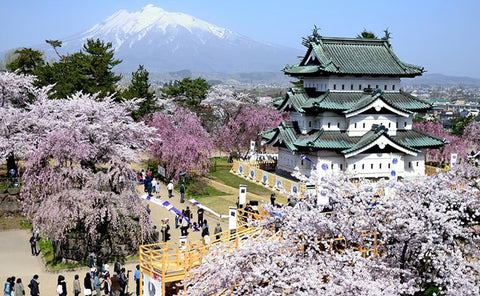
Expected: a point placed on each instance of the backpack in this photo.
(59, 289)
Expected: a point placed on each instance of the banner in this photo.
(264, 178)
(252, 174)
(453, 160)
(152, 287)
(252, 146)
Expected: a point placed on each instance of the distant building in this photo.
(350, 114)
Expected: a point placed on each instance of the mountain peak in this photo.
(124, 23)
(167, 41)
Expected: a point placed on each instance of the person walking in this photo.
(87, 284)
(7, 288)
(34, 289)
(19, 289)
(200, 212)
(167, 231)
(182, 193)
(123, 281)
(218, 229)
(61, 286)
(205, 232)
(115, 287)
(136, 277)
(273, 197)
(33, 245)
(76, 285)
(170, 189)
(97, 284)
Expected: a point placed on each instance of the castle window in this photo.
(359, 87)
(334, 86)
(341, 166)
(368, 86)
(331, 166)
(409, 164)
(309, 124)
(351, 86)
(355, 125)
(338, 124)
(364, 125)
(380, 166)
(389, 125)
(405, 124)
(393, 87)
(363, 166)
(328, 125)
(354, 166)
(376, 86)
(388, 166)
(301, 162)
(371, 166)
(385, 87)
(417, 163)
(343, 86)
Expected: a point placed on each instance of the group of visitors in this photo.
(100, 279)
(14, 287)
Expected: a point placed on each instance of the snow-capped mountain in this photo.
(166, 41)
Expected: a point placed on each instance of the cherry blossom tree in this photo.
(417, 238)
(461, 146)
(226, 103)
(472, 134)
(16, 90)
(77, 172)
(184, 145)
(245, 127)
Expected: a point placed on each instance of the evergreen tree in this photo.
(98, 61)
(140, 88)
(188, 92)
(89, 71)
(26, 60)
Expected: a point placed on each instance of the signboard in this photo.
(152, 287)
(242, 195)
(232, 218)
(162, 171)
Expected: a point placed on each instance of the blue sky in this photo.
(442, 36)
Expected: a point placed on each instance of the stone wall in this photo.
(10, 205)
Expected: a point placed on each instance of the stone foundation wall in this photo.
(10, 205)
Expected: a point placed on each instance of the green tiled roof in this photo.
(340, 141)
(372, 136)
(419, 139)
(352, 56)
(321, 139)
(350, 101)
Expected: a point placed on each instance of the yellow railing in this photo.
(171, 262)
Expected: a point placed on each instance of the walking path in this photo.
(16, 259)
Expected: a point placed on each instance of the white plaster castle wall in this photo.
(352, 83)
(362, 123)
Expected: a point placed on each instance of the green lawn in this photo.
(221, 173)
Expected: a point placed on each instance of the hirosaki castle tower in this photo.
(351, 114)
